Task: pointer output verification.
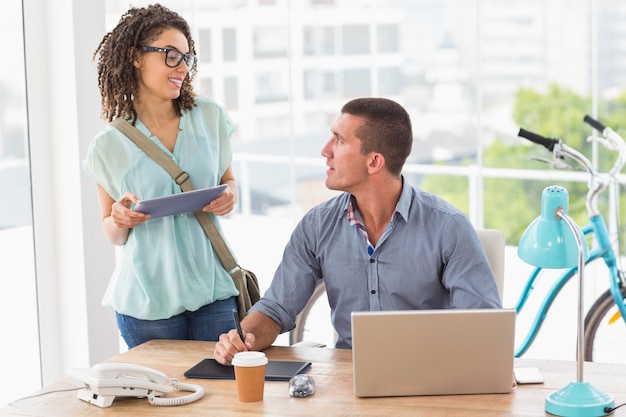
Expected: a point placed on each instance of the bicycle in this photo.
(605, 339)
(601, 321)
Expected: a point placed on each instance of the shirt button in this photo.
(372, 260)
(373, 292)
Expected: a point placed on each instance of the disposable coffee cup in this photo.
(250, 375)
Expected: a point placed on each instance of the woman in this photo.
(168, 283)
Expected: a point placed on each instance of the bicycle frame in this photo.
(603, 250)
(595, 228)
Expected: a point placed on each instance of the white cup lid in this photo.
(249, 359)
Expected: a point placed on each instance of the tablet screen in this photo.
(276, 370)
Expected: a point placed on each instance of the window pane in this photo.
(271, 87)
(231, 93)
(356, 82)
(388, 38)
(203, 47)
(319, 84)
(270, 42)
(356, 39)
(18, 301)
(390, 81)
(318, 40)
(230, 44)
(206, 87)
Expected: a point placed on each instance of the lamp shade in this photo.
(548, 242)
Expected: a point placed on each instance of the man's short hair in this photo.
(387, 129)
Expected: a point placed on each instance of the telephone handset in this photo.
(104, 382)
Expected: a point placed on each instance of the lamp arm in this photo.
(580, 351)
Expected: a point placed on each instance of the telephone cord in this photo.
(197, 393)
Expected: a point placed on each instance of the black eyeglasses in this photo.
(173, 57)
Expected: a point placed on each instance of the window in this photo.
(319, 84)
(270, 42)
(319, 40)
(388, 38)
(231, 93)
(356, 83)
(204, 48)
(229, 40)
(356, 39)
(206, 86)
(18, 300)
(271, 87)
(456, 66)
(390, 81)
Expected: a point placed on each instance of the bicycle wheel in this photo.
(605, 340)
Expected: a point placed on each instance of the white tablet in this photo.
(179, 203)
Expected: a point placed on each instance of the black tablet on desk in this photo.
(179, 203)
(274, 371)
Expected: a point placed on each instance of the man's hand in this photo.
(229, 344)
(259, 332)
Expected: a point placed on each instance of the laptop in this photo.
(432, 352)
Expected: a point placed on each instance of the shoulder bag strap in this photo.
(182, 179)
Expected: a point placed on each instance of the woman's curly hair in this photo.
(116, 52)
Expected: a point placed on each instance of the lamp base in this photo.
(579, 399)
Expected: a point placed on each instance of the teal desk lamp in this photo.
(554, 240)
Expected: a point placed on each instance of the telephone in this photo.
(104, 382)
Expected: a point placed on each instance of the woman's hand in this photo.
(122, 215)
(117, 217)
(223, 204)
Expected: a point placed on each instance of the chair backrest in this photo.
(494, 243)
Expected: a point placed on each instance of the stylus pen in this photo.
(238, 324)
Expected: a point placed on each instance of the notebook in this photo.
(433, 352)
(275, 370)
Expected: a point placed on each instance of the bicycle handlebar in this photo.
(594, 123)
(610, 139)
(548, 143)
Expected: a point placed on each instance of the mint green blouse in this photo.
(167, 265)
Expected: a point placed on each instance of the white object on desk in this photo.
(528, 375)
(104, 382)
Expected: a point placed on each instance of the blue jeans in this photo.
(206, 323)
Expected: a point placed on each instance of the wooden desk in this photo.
(332, 371)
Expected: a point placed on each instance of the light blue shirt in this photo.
(429, 257)
(167, 265)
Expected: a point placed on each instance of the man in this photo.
(380, 245)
